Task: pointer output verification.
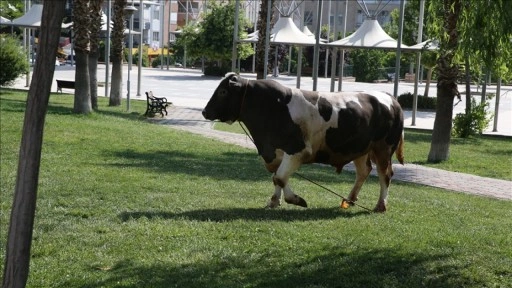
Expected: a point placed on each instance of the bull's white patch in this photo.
(384, 99)
(341, 102)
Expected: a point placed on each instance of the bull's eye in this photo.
(223, 92)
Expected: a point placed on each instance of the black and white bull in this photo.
(291, 127)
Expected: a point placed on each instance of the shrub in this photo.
(367, 64)
(135, 58)
(216, 71)
(156, 61)
(472, 123)
(12, 60)
(424, 103)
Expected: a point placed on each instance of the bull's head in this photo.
(225, 103)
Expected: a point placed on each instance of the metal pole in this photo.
(185, 48)
(107, 48)
(276, 69)
(169, 34)
(316, 52)
(342, 62)
(289, 60)
(299, 53)
(235, 37)
(255, 25)
(497, 106)
(161, 34)
(399, 48)
(267, 39)
(328, 34)
(418, 61)
(130, 45)
(139, 68)
(26, 45)
(334, 51)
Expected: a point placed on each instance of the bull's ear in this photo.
(234, 81)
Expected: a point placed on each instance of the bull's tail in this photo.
(399, 153)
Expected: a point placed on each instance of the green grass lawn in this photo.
(486, 156)
(126, 203)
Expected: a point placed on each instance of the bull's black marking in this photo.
(325, 109)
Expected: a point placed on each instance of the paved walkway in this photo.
(190, 119)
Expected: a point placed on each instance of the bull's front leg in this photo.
(289, 164)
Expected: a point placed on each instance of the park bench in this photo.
(65, 84)
(156, 105)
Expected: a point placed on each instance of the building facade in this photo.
(158, 20)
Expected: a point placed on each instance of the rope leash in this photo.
(317, 184)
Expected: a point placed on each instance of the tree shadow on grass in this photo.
(331, 267)
(248, 214)
(241, 166)
(12, 105)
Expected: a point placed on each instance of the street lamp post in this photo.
(129, 10)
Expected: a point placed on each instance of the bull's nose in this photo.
(204, 113)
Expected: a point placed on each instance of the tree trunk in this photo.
(95, 7)
(440, 145)
(446, 85)
(82, 102)
(93, 76)
(116, 82)
(484, 86)
(260, 47)
(117, 53)
(429, 79)
(19, 240)
(81, 15)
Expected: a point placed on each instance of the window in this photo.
(360, 17)
(383, 17)
(308, 18)
(339, 19)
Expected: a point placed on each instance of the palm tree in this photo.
(95, 18)
(260, 47)
(117, 53)
(448, 72)
(81, 23)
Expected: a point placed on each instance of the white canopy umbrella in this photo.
(286, 32)
(308, 32)
(369, 35)
(104, 25)
(31, 19)
(4, 21)
(428, 45)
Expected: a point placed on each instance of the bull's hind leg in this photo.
(275, 200)
(289, 165)
(363, 168)
(385, 171)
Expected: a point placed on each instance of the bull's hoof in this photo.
(272, 204)
(345, 204)
(380, 207)
(297, 200)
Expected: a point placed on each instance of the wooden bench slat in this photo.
(65, 84)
